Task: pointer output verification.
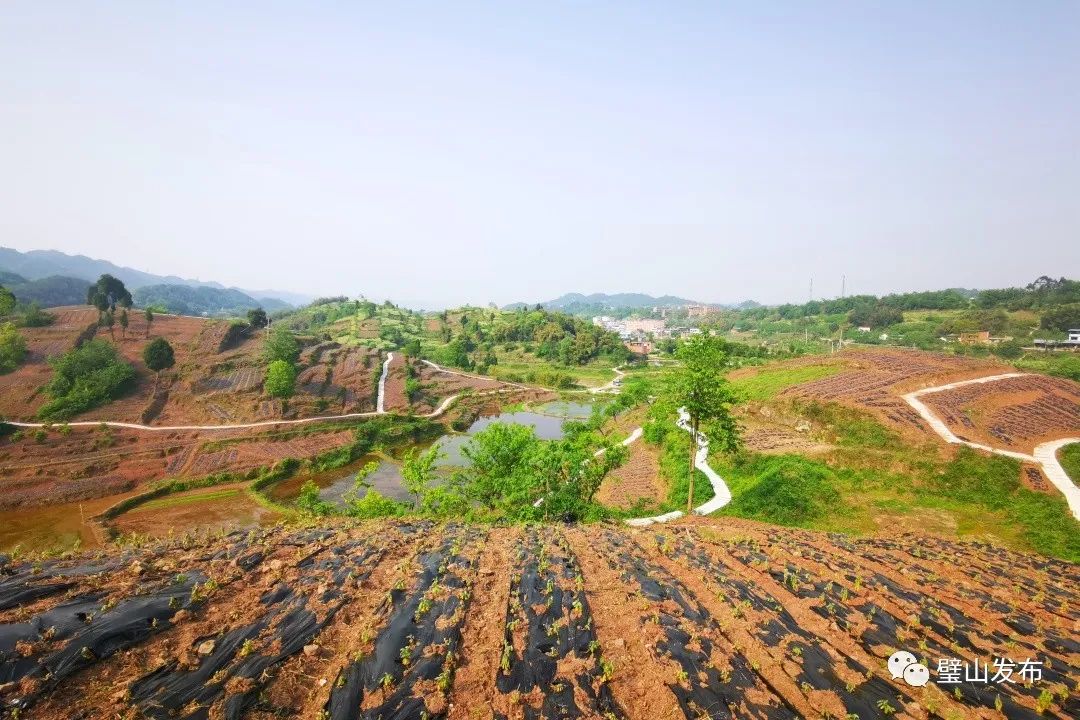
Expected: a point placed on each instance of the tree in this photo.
(109, 291)
(149, 315)
(418, 470)
(158, 356)
(109, 320)
(280, 379)
(281, 345)
(257, 318)
(1010, 350)
(1063, 318)
(7, 301)
(12, 348)
(123, 322)
(699, 388)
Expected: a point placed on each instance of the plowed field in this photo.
(880, 377)
(1014, 413)
(706, 619)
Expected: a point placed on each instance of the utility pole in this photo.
(843, 284)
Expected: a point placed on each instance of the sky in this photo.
(444, 153)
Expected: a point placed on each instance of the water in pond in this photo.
(545, 419)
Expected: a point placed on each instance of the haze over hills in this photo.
(38, 264)
(578, 302)
(51, 278)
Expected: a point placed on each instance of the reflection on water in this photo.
(546, 420)
(386, 479)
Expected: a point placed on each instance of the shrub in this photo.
(85, 378)
(12, 348)
(34, 316)
(375, 505)
(158, 355)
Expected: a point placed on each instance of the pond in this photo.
(546, 420)
(230, 507)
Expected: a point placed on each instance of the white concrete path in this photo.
(722, 494)
(1045, 454)
(380, 401)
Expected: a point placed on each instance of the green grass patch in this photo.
(769, 382)
(1066, 365)
(176, 500)
(1069, 457)
(783, 489)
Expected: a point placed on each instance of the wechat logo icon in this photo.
(904, 665)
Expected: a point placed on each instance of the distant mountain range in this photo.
(51, 278)
(577, 303)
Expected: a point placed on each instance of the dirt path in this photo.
(610, 387)
(1045, 454)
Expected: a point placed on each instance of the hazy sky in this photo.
(448, 152)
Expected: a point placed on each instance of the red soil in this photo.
(703, 618)
(1014, 413)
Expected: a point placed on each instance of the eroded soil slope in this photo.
(711, 618)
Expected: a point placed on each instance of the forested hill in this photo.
(39, 264)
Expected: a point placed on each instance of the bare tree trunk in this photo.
(693, 465)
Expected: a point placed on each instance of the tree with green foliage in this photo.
(1010, 350)
(148, 315)
(280, 379)
(108, 319)
(281, 345)
(84, 378)
(158, 355)
(107, 293)
(514, 474)
(699, 387)
(1062, 318)
(12, 347)
(418, 470)
(257, 318)
(123, 322)
(7, 301)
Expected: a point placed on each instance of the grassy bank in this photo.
(872, 481)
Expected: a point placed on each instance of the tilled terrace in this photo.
(699, 619)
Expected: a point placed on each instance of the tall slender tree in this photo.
(123, 322)
(149, 315)
(109, 321)
(699, 388)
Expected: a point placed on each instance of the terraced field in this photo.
(700, 619)
(1014, 413)
(878, 378)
